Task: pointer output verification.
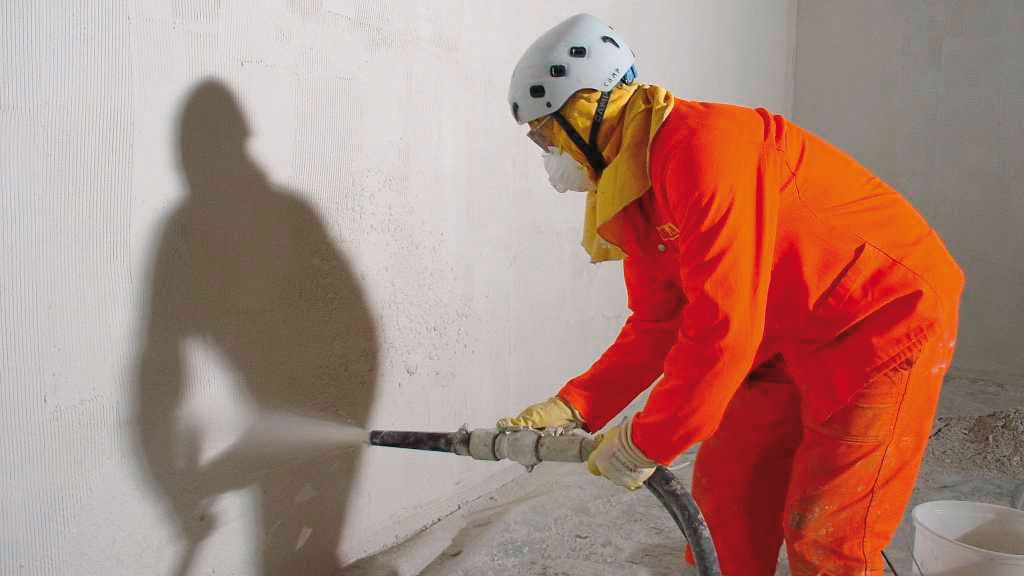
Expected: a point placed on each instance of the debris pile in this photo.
(990, 443)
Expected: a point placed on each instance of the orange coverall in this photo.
(802, 314)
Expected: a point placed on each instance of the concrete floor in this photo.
(560, 521)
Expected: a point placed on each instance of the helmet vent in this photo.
(610, 40)
(577, 52)
(558, 71)
(537, 91)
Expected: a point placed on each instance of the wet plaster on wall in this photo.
(212, 208)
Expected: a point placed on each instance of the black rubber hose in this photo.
(432, 441)
(663, 484)
(684, 510)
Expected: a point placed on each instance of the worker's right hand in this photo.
(551, 413)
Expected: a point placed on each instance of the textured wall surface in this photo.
(930, 95)
(215, 208)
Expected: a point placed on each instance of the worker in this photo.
(793, 312)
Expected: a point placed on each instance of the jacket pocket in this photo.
(876, 316)
(871, 282)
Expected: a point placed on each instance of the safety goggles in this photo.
(589, 149)
(538, 135)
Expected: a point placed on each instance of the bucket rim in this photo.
(999, 555)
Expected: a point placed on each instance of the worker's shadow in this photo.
(248, 269)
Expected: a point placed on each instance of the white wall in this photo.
(930, 95)
(344, 221)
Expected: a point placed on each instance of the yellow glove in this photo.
(551, 413)
(619, 460)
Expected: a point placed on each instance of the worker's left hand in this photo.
(619, 460)
(551, 413)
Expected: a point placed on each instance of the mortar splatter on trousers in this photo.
(834, 492)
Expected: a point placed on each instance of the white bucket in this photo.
(968, 539)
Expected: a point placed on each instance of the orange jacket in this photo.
(759, 238)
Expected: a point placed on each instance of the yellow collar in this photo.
(627, 177)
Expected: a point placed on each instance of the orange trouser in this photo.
(835, 491)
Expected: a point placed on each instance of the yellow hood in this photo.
(630, 124)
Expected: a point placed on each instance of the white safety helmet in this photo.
(580, 53)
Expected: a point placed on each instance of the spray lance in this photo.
(530, 447)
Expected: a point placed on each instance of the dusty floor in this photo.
(560, 521)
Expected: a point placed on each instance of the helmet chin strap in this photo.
(588, 149)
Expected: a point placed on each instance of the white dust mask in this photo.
(565, 173)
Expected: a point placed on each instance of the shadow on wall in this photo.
(249, 269)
